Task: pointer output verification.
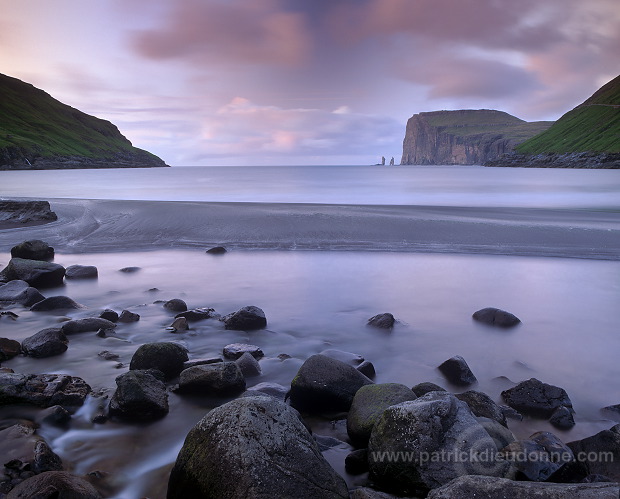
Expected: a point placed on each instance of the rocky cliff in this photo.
(465, 137)
(39, 132)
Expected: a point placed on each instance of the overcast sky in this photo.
(225, 82)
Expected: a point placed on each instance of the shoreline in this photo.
(98, 226)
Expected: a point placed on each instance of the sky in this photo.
(238, 82)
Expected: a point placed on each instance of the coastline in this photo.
(95, 226)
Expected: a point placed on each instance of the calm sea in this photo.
(316, 300)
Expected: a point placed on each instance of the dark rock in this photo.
(109, 315)
(55, 416)
(166, 357)
(368, 404)
(54, 484)
(426, 387)
(246, 319)
(34, 249)
(176, 305)
(284, 356)
(467, 487)
(9, 348)
(25, 212)
(600, 453)
(36, 273)
(496, 317)
(253, 447)
(106, 355)
(457, 371)
(44, 390)
(198, 314)
(483, 406)
(82, 272)
(441, 440)
(249, 365)
(382, 321)
(272, 389)
(139, 396)
(539, 457)
(582, 159)
(367, 368)
(127, 316)
(535, 398)
(325, 384)
(130, 270)
(216, 250)
(19, 292)
(46, 343)
(45, 459)
(106, 333)
(56, 303)
(221, 379)
(201, 362)
(350, 358)
(562, 418)
(356, 462)
(236, 350)
(179, 324)
(89, 324)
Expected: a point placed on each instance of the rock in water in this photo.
(457, 371)
(382, 321)
(82, 272)
(9, 348)
(236, 350)
(38, 274)
(535, 398)
(139, 396)
(56, 303)
(44, 390)
(496, 317)
(46, 343)
(323, 384)
(85, 325)
(166, 357)
(21, 292)
(23, 212)
(54, 484)
(176, 305)
(602, 453)
(253, 447)
(33, 250)
(219, 379)
(246, 319)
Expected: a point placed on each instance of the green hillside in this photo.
(36, 127)
(593, 126)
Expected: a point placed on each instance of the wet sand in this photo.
(91, 226)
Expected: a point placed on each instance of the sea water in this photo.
(316, 300)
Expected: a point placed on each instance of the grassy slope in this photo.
(477, 122)
(593, 126)
(32, 120)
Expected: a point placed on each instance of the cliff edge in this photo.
(38, 132)
(465, 137)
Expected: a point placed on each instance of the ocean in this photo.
(321, 250)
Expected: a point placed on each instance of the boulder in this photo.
(20, 292)
(535, 398)
(179, 324)
(246, 319)
(201, 362)
(368, 404)
(600, 453)
(483, 487)
(139, 396)
(426, 387)
(236, 350)
(198, 314)
(166, 357)
(272, 389)
(81, 272)
(562, 418)
(216, 250)
(249, 365)
(483, 406)
(52, 484)
(367, 368)
(34, 249)
(88, 324)
(220, 380)
(538, 458)
(19, 443)
(55, 415)
(109, 315)
(420, 445)
(350, 358)
(356, 462)
(496, 317)
(127, 317)
(56, 303)
(44, 390)
(176, 305)
(46, 343)
(9, 348)
(36, 273)
(382, 321)
(253, 447)
(323, 384)
(457, 371)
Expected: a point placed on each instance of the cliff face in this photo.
(466, 137)
(39, 132)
